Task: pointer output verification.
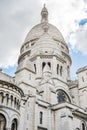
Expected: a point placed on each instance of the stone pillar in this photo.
(38, 68)
(66, 122)
(54, 66)
(49, 119)
(36, 116)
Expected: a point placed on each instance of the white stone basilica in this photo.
(42, 96)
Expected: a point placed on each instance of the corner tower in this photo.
(44, 56)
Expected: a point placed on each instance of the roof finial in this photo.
(44, 14)
(44, 4)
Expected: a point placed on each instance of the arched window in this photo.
(15, 101)
(49, 64)
(2, 122)
(11, 100)
(83, 126)
(14, 125)
(41, 117)
(43, 65)
(1, 97)
(7, 99)
(62, 97)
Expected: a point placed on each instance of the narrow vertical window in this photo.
(49, 64)
(83, 126)
(61, 69)
(11, 100)
(7, 99)
(83, 79)
(43, 65)
(41, 117)
(68, 71)
(35, 67)
(14, 124)
(57, 68)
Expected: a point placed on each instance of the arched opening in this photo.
(11, 100)
(14, 125)
(15, 102)
(43, 65)
(2, 122)
(62, 96)
(7, 99)
(83, 126)
(49, 64)
(1, 97)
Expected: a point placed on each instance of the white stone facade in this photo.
(42, 95)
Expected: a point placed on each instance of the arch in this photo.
(49, 64)
(2, 122)
(11, 97)
(64, 96)
(6, 117)
(83, 125)
(43, 65)
(65, 91)
(14, 125)
(7, 99)
(15, 116)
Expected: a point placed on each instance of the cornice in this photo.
(12, 86)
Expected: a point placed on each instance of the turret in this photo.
(44, 46)
(82, 84)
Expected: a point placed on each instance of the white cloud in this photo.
(17, 17)
(78, 39)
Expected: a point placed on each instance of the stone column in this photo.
(49, 119)
(38, 68)
(54, 66)
(36, 116)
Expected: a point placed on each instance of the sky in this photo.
(17, 17)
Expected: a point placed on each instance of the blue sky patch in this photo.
(83, 22)
(10, 70)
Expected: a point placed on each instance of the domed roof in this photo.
(37, 31)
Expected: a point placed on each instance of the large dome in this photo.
(38, 30)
